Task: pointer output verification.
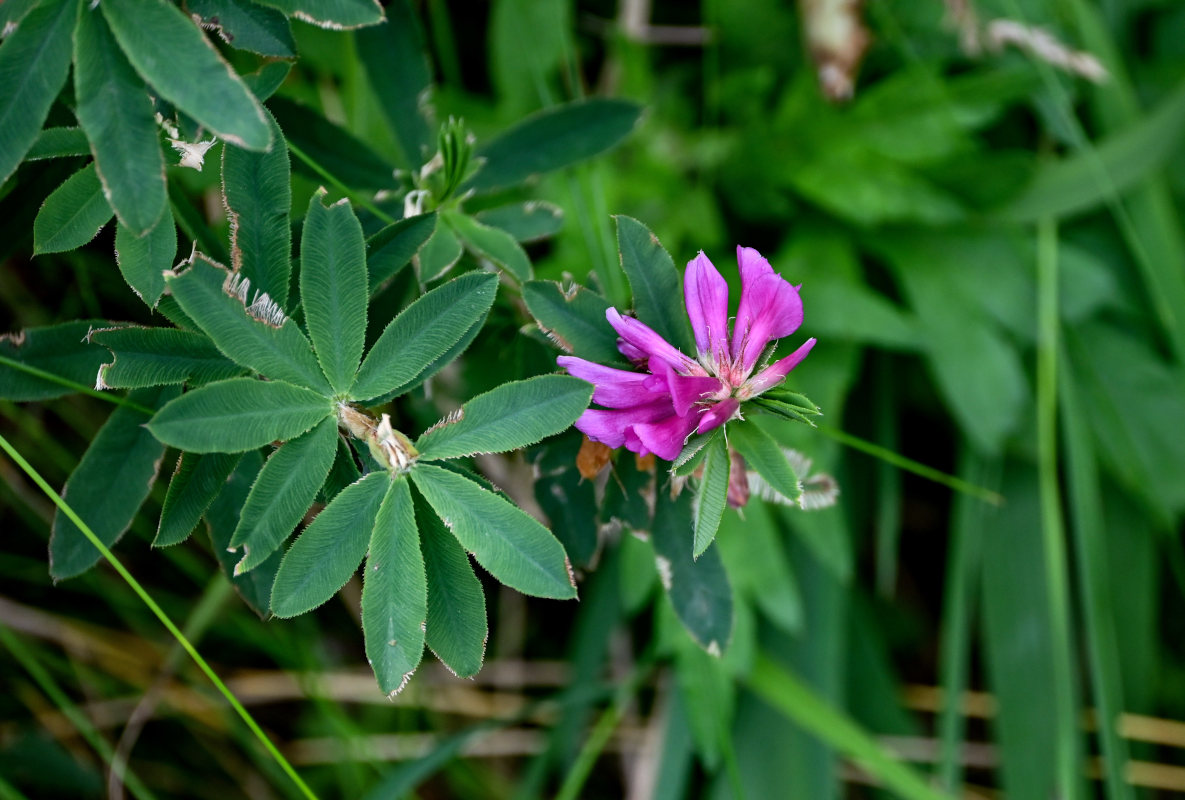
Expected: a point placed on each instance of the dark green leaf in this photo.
(439, 254)
(423, 332)
(256, 188)
(255, 587)
(392, 248)
(526, 222)
(108, 486)
(34, 62)
(183, 67)
(552, 139)
(12, 13)
(508, 417)
(491, 243)
(159, 356)
(60, 351)
(264, 82)
(763, 454)
(237, 415)
(281, 494)
(394, 59)
(342, 154)
(143, 261)
(573, 319)
(73, 214)
(333, 288)
(217, 301)
(515, 548)
(693, 454)
(457, 628)
(247, 26)
(330, 549)
(59, 143)
(196, 482)
(333, 14)
(698, 588)
(395, 592)
(117, 115)
(712, 496)
(657, 287)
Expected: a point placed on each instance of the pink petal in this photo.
(718, 414)
(609, 427)
(685, 390)
(776, 372)
(706, 294)
(615, 388)
(770, 308)
(644, 339)
(665, 438)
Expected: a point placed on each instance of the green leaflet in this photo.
(72, 215)
(394, 59)
(143, 261)
(54, 350)
(491, 243)
(508, 417)
(239, 414)
(712, 496)
(334, 14)
(196, 482)
(117, 115)
(423, 332)
(656, 284)
(246, 25)
(330, 549)
(395, 592)
(439, 254)
(574, 320)
(217, 302)
(58, 143)
(333, 288)
(457, 627)
(552, 139)
(264, 81)
(392, 248)
(763, 454)
(515, 548)
(282, 493)
(34, 62)
(526, 222)
(183, 67)
(108, 486)
(698, 588)
(437, 364)
(257, 190)
(255, 587)
(159, 356)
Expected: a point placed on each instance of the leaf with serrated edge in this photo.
(257, 335)
(245, 25)
(712, 496)
(282, 493)
(457, 627)
(763, 454)
(508, 417)
(72, 215)
(333, 288)
(158, 356)
(143, 261)
(198, 479)
(423, 332)
(515, 548)
(394, 592)
(330, 549)
(60, 350)
(333, 14)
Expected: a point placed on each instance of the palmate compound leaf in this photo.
(423, 332)
(508, 417)
(159, 356)
(333, 288)
(196, 482)
(712, 496)
(258, 335)
(516, 549)
(115, 111)
(182, 66)
(763, 454)
(237, 415)
(457, 626)
(282, 493)
(330, 549)
(395, 592)
(109, 484)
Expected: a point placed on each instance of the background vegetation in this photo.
(987, 237)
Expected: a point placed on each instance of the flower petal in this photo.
(665, 438)
(718, 414)
(706, 294)
(644, 339)
(770, 308)
(610, 426)
(615, 388)
(684, 390)
(776, 372)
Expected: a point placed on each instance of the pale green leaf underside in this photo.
(712, 496)
(511, 416)
(515, 548)
(237, 415)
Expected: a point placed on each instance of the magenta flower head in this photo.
(656, 411)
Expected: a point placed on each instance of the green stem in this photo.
(328, 177)
(909, 465)
(159, 613)
(77, 387)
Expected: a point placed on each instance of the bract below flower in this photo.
(656, 411)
